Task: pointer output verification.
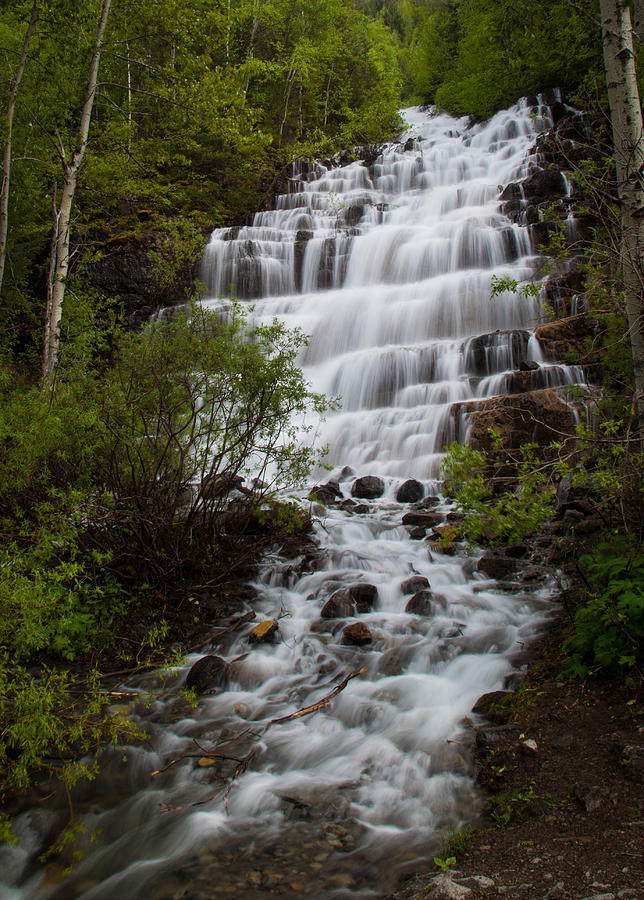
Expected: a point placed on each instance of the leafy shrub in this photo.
(468, 475)
(192, 407)
(609, 628)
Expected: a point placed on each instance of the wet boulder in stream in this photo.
(340, 605)
(413, 584)
(364, 595)
(368, 487)
(420, 604)
(410, 491)
(208, 673)
(357, 634)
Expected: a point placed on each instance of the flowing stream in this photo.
(388, 268)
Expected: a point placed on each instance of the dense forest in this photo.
(130, 129)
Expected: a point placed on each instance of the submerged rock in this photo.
(357, 634)
(420, 604)
(413, 584)
(339, 606)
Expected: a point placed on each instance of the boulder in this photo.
(420, 604)
(410, 491)
(363, 595)
(413, 584)
(326, 494)
(492, 706)
(422, 519)
(208, 673)
(357, 634)
(496, 566)
(339, 606)
(368, 487)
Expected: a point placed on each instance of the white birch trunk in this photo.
(71, 168)
(628, 138)
(6, 161)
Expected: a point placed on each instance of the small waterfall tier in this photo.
(388, 268)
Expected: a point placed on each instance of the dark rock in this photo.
(491, 705)
(338, 606)
(360, 509)
(542, 185)
(413, 584)
(299, 250)
(515, 551)
(368, 487)
(589, 796)
(483, 354)
(327, 494)
(422, 519)
(410, 491)
(631, 759)
(208, 673)
(526, 366)
(420, 604)
(364, 595)
(357, 634)
(494, 735)
(417, 533)
(495, 566)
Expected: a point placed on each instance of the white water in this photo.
(340, 802)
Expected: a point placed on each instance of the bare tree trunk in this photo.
(71, 168)
(6, 162)
(628, 138)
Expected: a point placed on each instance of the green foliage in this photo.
(609, 628)
(508, 518)
(509, 809)
(191, 405)
(50, 721)
(444, 863)
(454, 844)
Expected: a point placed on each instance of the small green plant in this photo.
(444, 864)
(455, 843)
(609, 628)
(512, 808)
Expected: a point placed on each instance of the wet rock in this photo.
(265, 632)
(495, 566)
(491, 705)
(410, 491)
(516, 551)
(368, 487)
(542, 185)
(327, 494)
(422, 519)
(417, 533)
(208, 673)
(364, 596)
(481, 352)
(427, 502)
(413, 584)
(348, 505)
(360, 509)
(539, 416)
(338, 606)
(356, 634)
(420, 604)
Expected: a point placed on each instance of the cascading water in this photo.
(388, 269)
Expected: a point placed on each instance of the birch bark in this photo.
(628, 140)
(71, 167)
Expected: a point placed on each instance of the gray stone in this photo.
(590, 796)
(443, 887)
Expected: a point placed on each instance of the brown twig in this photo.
(321, 704)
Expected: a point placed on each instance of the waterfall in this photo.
(388, 268)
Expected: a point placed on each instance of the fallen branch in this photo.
(240, 620)
(321, 704)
